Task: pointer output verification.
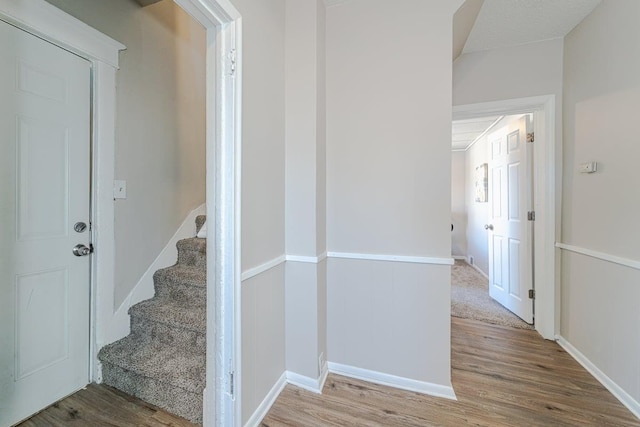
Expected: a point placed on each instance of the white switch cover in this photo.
(590, 167)
(119, 189)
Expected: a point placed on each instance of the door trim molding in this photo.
(223, 24)
(547, 190)
(52, 24)
(57, 27)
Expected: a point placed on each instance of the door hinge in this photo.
(231, 383)
(531, 215)
(531, 137)
(532, 294)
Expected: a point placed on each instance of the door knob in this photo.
(488, 226)
(81, 250)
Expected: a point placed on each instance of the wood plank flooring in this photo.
(103, 406)
(502, 377)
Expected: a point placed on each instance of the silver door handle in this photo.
(488, 226)
(81, 250)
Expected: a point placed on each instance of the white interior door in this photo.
(44, 191)
(510, 231)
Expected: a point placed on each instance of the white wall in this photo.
(263, 337)
(391, 318)
(515, 72)
(388, 185)
(305, 187)
(507, 73)
(458, 204)
(477, 213)
(600, 315)
(160, 125)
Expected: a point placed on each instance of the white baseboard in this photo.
(624, 397)
(288, 377)
(313, 385)
(306, 383)
(393, 381)
(459, 257)
(316, 386)
(267, 402)
(119, 327)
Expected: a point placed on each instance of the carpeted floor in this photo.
(470, 299)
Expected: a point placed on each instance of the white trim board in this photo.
(547, 303)
(392, 258)
(223, 25)
(624, 397)
(267, 402)
(119, 326)
(307, 259)
(52, 24)
(61, 29)
(627, 262)
(393, 381)
(254, 271)
(313, 385)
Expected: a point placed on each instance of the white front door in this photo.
(44, 191)
(510, 231)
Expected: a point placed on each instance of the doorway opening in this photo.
(546, 193)
(491, 195)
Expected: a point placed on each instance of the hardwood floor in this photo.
(502, 377)
(102, 406)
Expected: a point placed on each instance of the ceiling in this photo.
(465, 132)
(503, 23)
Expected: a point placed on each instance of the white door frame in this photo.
(224, 95)
(53, 25)
(223, 25)
(546, 192)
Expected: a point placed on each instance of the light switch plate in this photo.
(119, 189)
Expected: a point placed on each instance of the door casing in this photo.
(547, 194)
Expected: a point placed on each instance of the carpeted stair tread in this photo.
(173, 365)
(162, 361)
(193, 244)
(172, 312)
(200, 219)
(192, 252)
(183, 274)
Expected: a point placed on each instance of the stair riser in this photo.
(178, 401)
(168, 334)
(188, 294)
(192, 257)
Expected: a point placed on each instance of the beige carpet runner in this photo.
(470, 299)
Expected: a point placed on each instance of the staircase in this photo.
(162, 361)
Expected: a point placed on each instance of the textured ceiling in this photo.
(503, 23)
(465, 132)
